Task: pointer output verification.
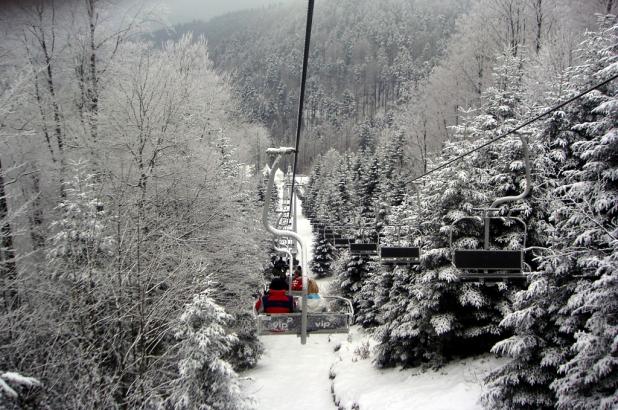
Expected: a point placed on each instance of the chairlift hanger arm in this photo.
(301, 98)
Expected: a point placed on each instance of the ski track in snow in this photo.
(292, 376)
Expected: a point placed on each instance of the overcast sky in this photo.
(187, 10)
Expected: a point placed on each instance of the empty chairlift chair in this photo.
(493, 264)
(363, 248)
(489, 264)
(400, 255)
(341, 237)
(341, 243)
(369, 249)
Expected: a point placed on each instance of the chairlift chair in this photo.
(400, 255)
(489, 264)
(364, 249)
(341, 243)
(494, 264)
(323, 322)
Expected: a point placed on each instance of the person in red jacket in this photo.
(297, 282)
(276, 300)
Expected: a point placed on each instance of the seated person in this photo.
(315, 303)
(297, 282)
(276, 300)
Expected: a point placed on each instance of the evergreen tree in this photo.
(311, 190)
(321, 265)
(431, 315)
(205, 379)
(587, 235)
(563, 349)
(367, 184)
(355, 271)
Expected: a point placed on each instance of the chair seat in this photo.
(400, 255)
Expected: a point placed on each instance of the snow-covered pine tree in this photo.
(390, 153)
(329, 201)
(323, 256)
(367, 184)
(587, 231)
(357, 269)
(432, 316)
(563, 348)
(205, 380)
(537, 346)
(346, 188)
(311, 191)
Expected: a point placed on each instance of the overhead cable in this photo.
(301, 99)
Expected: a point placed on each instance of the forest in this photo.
(131, 189)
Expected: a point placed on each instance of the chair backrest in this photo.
(400, 252)
(493, 260)
(290, 323)
(364, 248)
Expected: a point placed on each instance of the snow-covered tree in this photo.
(11, 385)
(563, 345)
(82, 242)
(323, 255)
(431, 315)
(205, 379)
(587, 231)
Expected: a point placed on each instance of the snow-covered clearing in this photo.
(357, 384)
(337, 368)
(290, 375)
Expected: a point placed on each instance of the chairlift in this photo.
(363, 248)
(300, 323)
(323, 322)
(493, 264)
(335, 236)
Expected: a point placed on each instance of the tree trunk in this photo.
(537, 7)
(93, 90)
(39, 101)
(36, 218)
(8, 266)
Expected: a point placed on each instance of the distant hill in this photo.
(363, 54)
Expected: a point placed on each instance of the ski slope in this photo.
(335, 372)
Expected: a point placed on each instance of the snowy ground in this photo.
(292, 376)
(357, 384)
(333, 369)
